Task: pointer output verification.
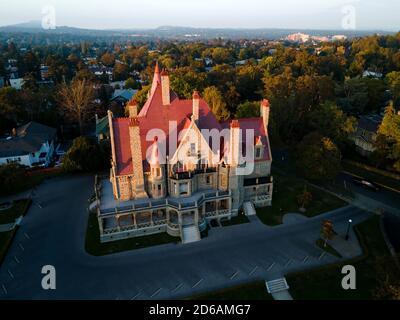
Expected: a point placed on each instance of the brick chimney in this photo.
(166, 99)
(133, 108)
(196, 106)
(264, 112)
(235, 144)
(137, 162)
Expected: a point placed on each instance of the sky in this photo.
(125, 14)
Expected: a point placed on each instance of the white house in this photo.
(29, 145)
(17, 83)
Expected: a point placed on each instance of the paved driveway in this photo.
(54, 235)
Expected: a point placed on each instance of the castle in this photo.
(175, 167)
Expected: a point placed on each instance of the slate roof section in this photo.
(155, 115)
(29, 138)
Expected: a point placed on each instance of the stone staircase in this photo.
(277, 285)
(249, 209)
(190, 234)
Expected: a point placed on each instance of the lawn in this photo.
(5, 242)
(94, 247)
(329, 249)
(325, 283)
(31, 181)
(239, 219)
(284, 200)
(249, 291)
(19, 208)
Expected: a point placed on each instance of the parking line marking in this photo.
(271, 266)
(156, 293)
(11, 275)
(254, 270)
(197, 283)
(177, 287)
(322, 255)
(21, 246)
(26, 235)
(235, 274)
(4, 288)
(16, 259)
(305, 259)
(137, 295)
(288, 262)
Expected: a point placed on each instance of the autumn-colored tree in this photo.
(317, 157)
(327, 231)
(75, 100)
(332, 122)
(108, 59)
(214, 99)
(304, 198)
(388, 140)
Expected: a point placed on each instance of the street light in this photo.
(348, 229)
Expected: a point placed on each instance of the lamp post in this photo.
(348, 229)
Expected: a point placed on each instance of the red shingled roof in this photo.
(155, 115)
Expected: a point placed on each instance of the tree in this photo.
(304, 198)
(11, 177)
(141, 95)
(327, 231)
(120, 71)
(353, 95)
(75, 99)
(332, 122)
(393, 81)
(248, 109)
(317, 157)
(108, 59)
(131, 83)
(85, 155)
(214, 99)
(388, 140)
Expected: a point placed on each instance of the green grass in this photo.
(94, 247)
(249, 291)
(5, 241)
(329, 249)
(19, 208)
(239, 219)
(284, 200)
(371, 176)
(31, 181)
(325, 283)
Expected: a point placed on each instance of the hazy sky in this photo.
(105, 14)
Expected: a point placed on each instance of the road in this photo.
(54, 235)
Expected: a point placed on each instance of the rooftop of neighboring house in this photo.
(125, 94)
(26, 139)
(370, 122)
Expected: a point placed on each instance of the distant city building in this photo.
(298, 37)
(29, 145)
(180, 190)
(339, 37)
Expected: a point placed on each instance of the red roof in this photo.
(154, 115)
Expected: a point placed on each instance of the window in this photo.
(192, 149)
(209, 179)
(258, 152)
(158, 172)
(183, 188)
(159, 187)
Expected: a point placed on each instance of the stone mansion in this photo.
(175, 168)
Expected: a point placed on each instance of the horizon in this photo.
(224, 14)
